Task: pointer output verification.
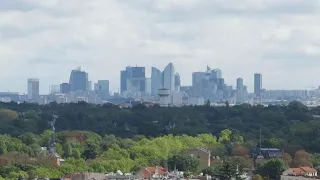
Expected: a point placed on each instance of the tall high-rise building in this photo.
(123, 81)
(102, 87)
(209, 84)
(240, 91)
(156, 80)
(168, 77)
(216, 73)
(65, 88)
(78, 80)
(239, 84)
(198, 79)
(257, 84)
(133, 79)
(165, 79)
(33, 89)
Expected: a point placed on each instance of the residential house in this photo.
(266, 153)
(203, 154)
(153, 172)
(302, 173)
(259, 155)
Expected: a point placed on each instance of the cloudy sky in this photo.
(46, 39)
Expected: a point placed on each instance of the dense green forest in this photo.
(105, 138)
(293, 124)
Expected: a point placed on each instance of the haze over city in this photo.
(47, 39)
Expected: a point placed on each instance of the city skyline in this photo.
(47, 39)
(148, 75)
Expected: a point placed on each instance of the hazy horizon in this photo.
(47, 39)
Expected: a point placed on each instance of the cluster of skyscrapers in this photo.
(164, 87)
(133, 81)
(79, 88)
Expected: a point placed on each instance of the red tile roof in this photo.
(303, 170)
(297, 171)
(161, 170)
(308, 169)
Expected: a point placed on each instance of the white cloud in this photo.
(47, 39)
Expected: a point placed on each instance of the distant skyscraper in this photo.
(78, 80)
(198, 79)
(165, 79)
(168, 77)
(240, 91)
(156, 80)
(208, 84)
(216, 73)
(123, 81)
(33, 89)
(257, 84)
(103, 88)
(239, 84)
(133, 79)
(65, 88)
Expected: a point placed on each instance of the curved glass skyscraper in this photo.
(168, 77)
(164, 79)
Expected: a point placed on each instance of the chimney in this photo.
(156, 171)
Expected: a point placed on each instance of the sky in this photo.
(47, 39)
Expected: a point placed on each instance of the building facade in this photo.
(33, 89)
(102, 87)
(78, 80)
(133, 80)
(203, 154)
(156, 80)
(168, 77)
(65, 88)
(258, 85)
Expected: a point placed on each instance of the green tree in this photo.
(225, 136)
(184, 163)
(67, 150)
(28, 138)
(18, 174)
(59, 149)
(90, 150)
(3, 147)
(272, 168)
(302, 158)
(76, 153)
(7, 114)
(212, 170)
(226, 172)
(46, 172)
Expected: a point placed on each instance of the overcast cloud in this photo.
(46, 39)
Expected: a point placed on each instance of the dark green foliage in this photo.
(226, 171)
(183, 163)
(287, 125)
(272, 168)
(90, 150)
